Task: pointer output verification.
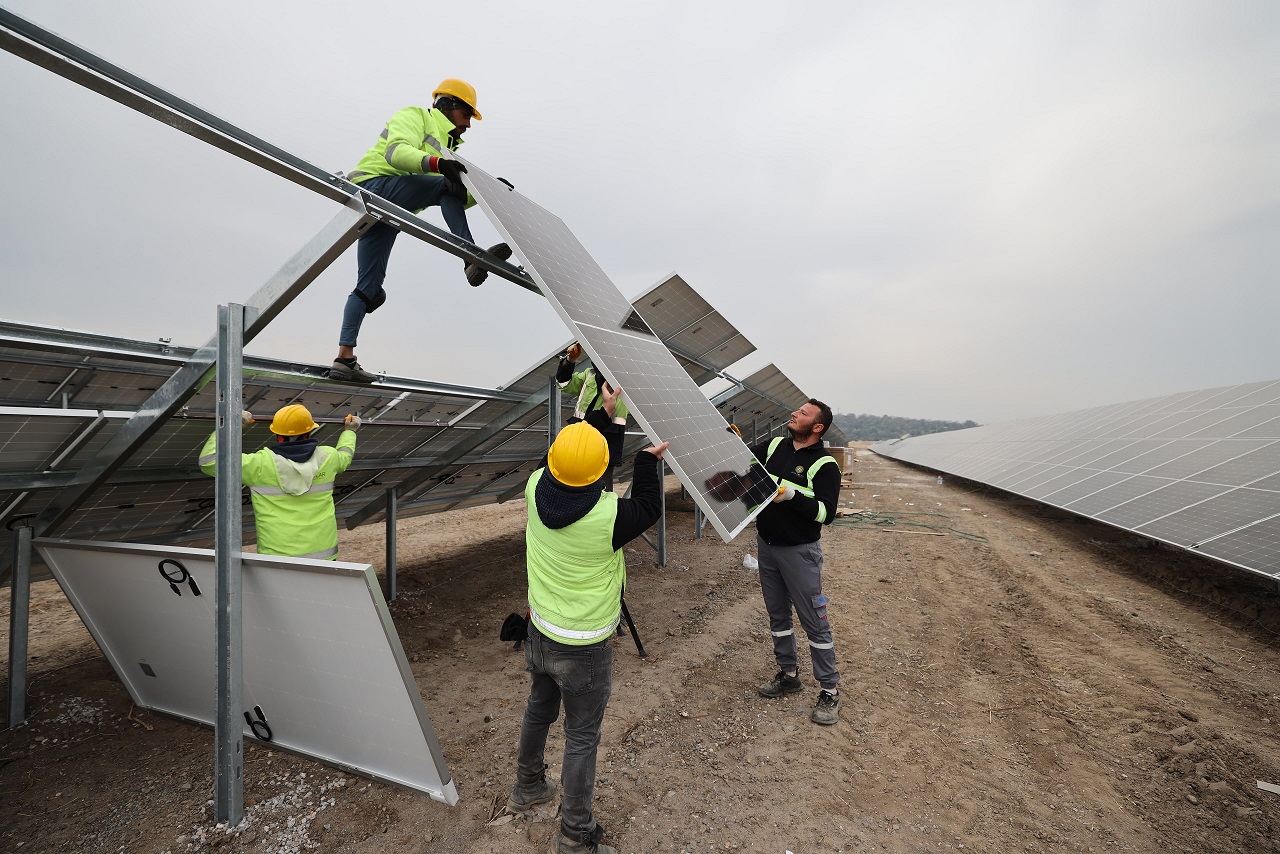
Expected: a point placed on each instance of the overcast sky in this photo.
(977, 210)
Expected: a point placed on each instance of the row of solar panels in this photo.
(1199, 470)
(65, 394)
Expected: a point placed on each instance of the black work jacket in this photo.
(800, 520)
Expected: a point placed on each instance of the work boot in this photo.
(827, 710)
(350, 372)
(525, 798)
(476, 275)
(781, 685)
(589, 843)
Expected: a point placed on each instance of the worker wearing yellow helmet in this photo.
(576, 573)
(408, 167)
(291, 483)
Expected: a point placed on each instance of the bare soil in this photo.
(1014, 679)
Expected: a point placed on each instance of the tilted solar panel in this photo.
(1199, 470)
(712, 462)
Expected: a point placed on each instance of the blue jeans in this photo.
(373, 250)
(581, 677)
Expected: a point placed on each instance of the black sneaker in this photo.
(351, 373)
(476, 275)
(780, 685)
(827, 710)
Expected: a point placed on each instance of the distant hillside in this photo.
(875, 428)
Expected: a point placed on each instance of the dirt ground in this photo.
(1014, 679)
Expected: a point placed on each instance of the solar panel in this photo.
(691, 327)
(1199, 470)
(324, 672)
(714, 465)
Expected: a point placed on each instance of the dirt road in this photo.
(1014, 679)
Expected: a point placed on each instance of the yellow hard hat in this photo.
(460, 89)
(579, 455)
(293, 420)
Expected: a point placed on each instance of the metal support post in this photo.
(698, 522)
(228, 730)
(391, 544)
(19, 621)
(662, 516)
(553, 411)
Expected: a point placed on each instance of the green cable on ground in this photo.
(868, 520)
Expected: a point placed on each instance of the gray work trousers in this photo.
(791, 576)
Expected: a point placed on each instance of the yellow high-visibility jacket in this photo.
(406, 145)
(292, 501)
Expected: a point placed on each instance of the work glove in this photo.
(508, 183)
(246, 417)
(574, 353)
(351, 422)
(733, 428)
(785, 492)
(450, 169)
(454, 188)
(514, 628)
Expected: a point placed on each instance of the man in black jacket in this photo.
(788, 534)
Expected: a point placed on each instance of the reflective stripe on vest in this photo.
(324, 554)
(553, 629)
(806, 490)
(275, 490)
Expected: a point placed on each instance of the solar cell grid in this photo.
(1159, 503)
(1049, 489)
(1019, 476)
(1194, 455)
(1227, 512)
(1248, 467)
(29, 440)
(1262, 421)
(1153, 453)
(1180, 468)
(1064, 495)
(1255, 547)
(1256, 394)
(1118, 493)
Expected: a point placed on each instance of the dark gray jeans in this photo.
(582, 678)
(791, 576)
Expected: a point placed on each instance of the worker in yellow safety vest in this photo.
(576, 571)
(590, 386)
(291, 483)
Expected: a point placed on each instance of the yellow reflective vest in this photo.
(575, 575)
(292, 502)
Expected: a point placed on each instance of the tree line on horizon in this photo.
(877, 428)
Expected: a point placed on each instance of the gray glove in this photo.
(351, 422)
(246, 417)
